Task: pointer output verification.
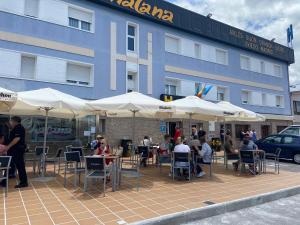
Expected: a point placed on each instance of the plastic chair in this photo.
(276, 157)
(131, 168)
(72, 158)
(95, 168)
(4, 168)
(181, 160)
(36, 157)
(55, 160)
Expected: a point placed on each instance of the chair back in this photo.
(39, 150)
(77, 149)
(182, 157)
(72, 157)
(94, 163)
(5, 161)
(247, 156)
(143, 151)
(68, 148)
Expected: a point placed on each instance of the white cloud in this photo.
(265, 18)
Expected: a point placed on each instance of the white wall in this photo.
(10, 63)
(50, 69)
(47, 7)
(14, 6)
(54, 11)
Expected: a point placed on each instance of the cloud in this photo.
(266, 18)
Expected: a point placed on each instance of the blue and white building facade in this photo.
(99, 48)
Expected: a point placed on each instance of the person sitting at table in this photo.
(182, 148)
(166, 146)
(248, 146)
(194, 143)
(230, 151)
(96, 143)
(103, 149)
(206, 154)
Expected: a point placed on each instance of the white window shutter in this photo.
(80, 15)
(31, 8)
(79, 73)
(172, 45)
(28, 67)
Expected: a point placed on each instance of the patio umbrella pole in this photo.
(45, 142)
(190, 125)
(43, 178)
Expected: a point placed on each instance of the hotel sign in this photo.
(142, 7)
(166, 13)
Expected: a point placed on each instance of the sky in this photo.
(266, 18)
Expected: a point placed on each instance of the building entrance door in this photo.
(265, 131)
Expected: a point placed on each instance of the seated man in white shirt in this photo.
(206, 156)
(181, 148)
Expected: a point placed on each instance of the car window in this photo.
(292, 130)
(272, 140)
(289, 140)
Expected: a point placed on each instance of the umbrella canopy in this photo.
(7, 99)
(239, 114)
(58, 104)
(124, 105)
(194, 107)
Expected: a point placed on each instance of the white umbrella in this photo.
(7, 99)
(131, 104)
(193, 107)
(49, 102)
(240, 114)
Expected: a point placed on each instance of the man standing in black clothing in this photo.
(16, 149)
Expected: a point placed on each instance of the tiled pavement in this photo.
(51, 203)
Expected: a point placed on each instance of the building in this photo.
(295, 98)
(99, 48)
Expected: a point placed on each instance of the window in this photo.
(102, 126)
(172, 45)
(131, 38)
(170, 89)
(289, 140)
(245, 63)
(245, 97)
(277, 70)
(296, 105)
(80, 19)
(264, 99)
(279, 101)
(79, 74)
(262, 67)
(221, 94)
(280, 128)
(197, 51)
(132, 81)
(28, 65)
(31, 8)
(221, 56)
(272, 140)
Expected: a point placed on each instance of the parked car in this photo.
(288, 143)
(293, 129)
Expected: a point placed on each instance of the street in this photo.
(281, 212)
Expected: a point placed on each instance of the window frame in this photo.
(169, 89)
(92, 24)
(226, 56)
(199, 50)
(179, 43)
(249, 58)
(35, 66)
(30, 16)
(248, 99)
(137, 77)
(280, 70)
(281, 99)
(77, 83)
(295, 107)
(136, 38)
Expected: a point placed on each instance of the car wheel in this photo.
(297, 158)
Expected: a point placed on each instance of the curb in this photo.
(220, 208)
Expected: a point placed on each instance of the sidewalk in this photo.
(51, 203)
